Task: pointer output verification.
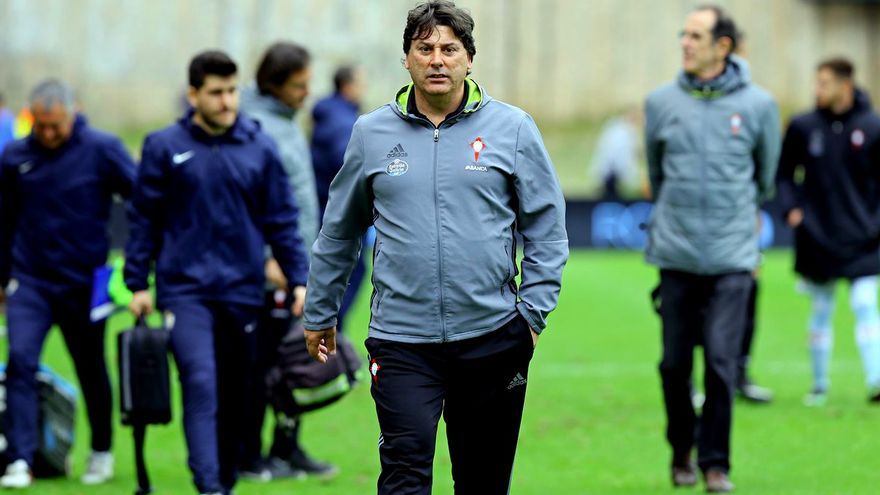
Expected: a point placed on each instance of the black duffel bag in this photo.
(144, 383)
(298, 384)
(144, 387)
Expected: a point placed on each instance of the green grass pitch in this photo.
(593, 421)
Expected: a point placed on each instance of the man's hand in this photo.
(795, 217)
(321, 343)
(141, 303)
(274, 274)
(534, 337)
(299, 301)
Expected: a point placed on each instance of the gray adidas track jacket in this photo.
(445, 203)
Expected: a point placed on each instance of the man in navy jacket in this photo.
(211, 193)
(57, 189)
(835, 211)
(334, 118)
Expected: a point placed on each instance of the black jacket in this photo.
(839, 191)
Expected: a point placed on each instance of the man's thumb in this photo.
(331, 343)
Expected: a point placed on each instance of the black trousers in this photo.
(748, 335)
(708, 311)
(479, 385)
(274, 323)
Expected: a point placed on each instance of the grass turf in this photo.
(594, 421)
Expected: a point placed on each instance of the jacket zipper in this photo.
(439, 238)
(703, 165)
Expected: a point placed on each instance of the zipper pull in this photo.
(436, 135)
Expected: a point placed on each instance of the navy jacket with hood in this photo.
(839, 193)
(334, 119)
(55, 205)
(204, 207)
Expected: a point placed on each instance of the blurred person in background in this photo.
(835, 211)
(7, 124)
(712, 143)
(56, 190)
(24, 120)
(615, 164)
(745, 387)
(282, 85)
(211, 194)
(334, 118)
(448, 176)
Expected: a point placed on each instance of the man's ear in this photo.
(191, 96)
(725, 44)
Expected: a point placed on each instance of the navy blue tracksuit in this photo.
(55, 205)
(203, 208)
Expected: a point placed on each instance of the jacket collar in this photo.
(735, 76)
(243, 130)
(252, 99)
(475, 99)
(861, 103)
(80, 124)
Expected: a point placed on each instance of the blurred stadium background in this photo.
(594, 419)
(570, 63)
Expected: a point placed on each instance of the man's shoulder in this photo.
(273, 126)
(663, 92)
(166, 135)
(101, 138)
(270, 138)
(497, 109)
(869, 119)
(378, 118)
(758, 95)
(665, 99)
(804, 120)
(327, 103)
(15, 152)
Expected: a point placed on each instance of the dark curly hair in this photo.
(425, 17)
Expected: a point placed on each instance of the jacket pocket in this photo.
(511, 265)
(406, 286)
(376, 298)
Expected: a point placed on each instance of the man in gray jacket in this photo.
(448, 176)
(282, 86)
(712, 148)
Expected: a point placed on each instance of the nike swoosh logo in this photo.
(179, 158)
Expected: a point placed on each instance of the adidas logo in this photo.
(397, 152)
(517, 381)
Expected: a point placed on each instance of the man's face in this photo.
(355, 89)
(295, 89)
(829, 88)
(216, 102)
(52, 126)
(438, 64)
(700, 52)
